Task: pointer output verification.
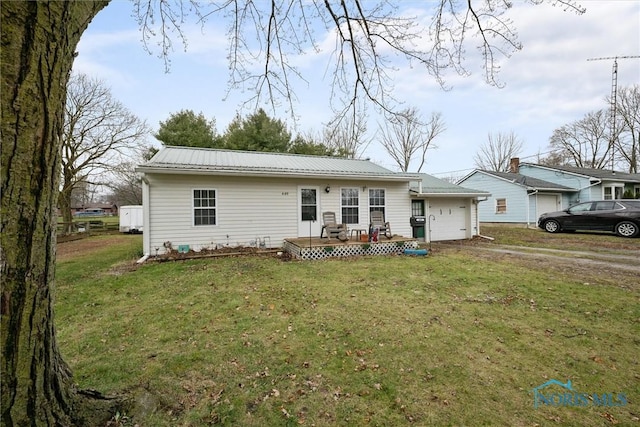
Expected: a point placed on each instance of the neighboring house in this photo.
(208, 197)
(516, 198)
(95, 209)
(451, 211)
(591, 184)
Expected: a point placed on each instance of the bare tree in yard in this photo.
(585, 142)
(98, 134)
(628, 113)
(406, 134)
(497, 152)
(39, 42)
(125, 183)
(553, 158)
(347, 135)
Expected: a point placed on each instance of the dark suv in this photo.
(618, 216)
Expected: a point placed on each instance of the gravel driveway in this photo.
(629, 262)
(593, 258)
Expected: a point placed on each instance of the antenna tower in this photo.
(614, 95)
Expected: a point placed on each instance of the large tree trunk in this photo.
(64, 204)
(38, 45)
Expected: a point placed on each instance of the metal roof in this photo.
(436, 186)
(528, 181)
(215, 161)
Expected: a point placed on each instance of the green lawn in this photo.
(449, 339)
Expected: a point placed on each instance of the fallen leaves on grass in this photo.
(607, 416)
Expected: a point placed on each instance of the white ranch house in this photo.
(207, 198)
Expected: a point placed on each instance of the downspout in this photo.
(598, 182)
(535, 193)
(146, 214)
(593, 185)
(477, 205)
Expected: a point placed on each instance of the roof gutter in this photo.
(271, 173)
(451, 195)
(556, 190)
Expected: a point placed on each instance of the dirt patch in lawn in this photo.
(213, 253)
(83, 246)
(73, 248)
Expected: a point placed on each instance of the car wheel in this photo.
(626, 229)
(552, 226)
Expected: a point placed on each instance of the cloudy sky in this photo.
(547, 84)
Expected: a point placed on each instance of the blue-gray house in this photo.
(590, 184)
(515, 197)
(529, 190)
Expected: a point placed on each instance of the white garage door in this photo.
(547, 203)
(450, 220)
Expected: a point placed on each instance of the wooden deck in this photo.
(332, 241)
(319, 248)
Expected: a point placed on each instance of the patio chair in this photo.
(331, 226)
(378, 222)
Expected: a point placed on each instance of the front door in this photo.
(309, 221)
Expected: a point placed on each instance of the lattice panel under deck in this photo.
(321, 252)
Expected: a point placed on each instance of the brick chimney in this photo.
(514, 165)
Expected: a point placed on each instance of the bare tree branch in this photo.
(347, 135)
(585, 142)
(406, 134)
(371, 39)
(628, 138)
(497, 152)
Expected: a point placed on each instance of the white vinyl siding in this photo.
(257, 208)
(251, 208)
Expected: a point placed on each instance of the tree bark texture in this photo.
(38, 48)
(64, 203)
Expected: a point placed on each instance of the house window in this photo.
(636, 192)
(501, 206)
(611, 192)
(349, 201)
(376, 200)
(204, 207)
